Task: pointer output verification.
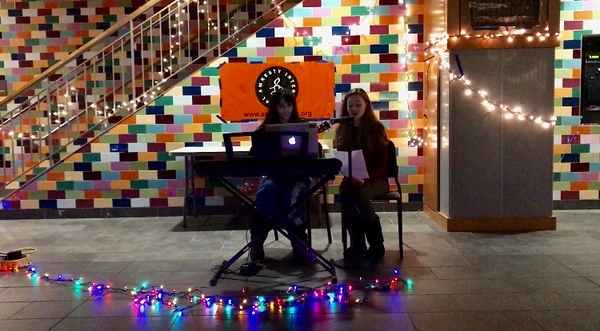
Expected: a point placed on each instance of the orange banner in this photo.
(246, 88)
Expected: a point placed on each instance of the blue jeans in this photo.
(276, 194)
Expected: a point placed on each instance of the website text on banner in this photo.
(246, 88)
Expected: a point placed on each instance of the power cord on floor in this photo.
(16, 258)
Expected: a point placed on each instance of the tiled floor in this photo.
(546, 280)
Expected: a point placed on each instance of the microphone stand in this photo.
(349, 261)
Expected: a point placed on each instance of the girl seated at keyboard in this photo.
(277, 193)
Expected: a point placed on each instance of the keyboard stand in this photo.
(323, 169)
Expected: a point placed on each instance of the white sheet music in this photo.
(359, 167)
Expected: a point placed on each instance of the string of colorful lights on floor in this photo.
(147, 296)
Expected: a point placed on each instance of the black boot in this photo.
(258, 234)
(358, 246)
(299, 254)
(374, 235)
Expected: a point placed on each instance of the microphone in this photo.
(344, 119)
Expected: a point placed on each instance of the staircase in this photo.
(115, 75)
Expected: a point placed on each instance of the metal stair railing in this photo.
(53, 118)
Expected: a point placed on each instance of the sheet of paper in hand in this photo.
(359, 167)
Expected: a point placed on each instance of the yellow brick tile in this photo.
(561, 167)
(74, 175)
(175, 202)
(103, 203)
(562, 149)
(30, 204)
(588, 195)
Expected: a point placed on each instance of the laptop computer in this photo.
(309, 127)
(270, 145)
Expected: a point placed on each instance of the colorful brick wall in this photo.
(374, 45)
(34, 35)
(576, 146)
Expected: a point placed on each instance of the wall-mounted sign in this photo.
(246, 88)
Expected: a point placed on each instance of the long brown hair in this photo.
(370, 131)
(272, 116)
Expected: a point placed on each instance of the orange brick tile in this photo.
(129, 120)
(584, 129)
(275, 59)
(164, 193)
(579, 186)
(82, 33)
(37, 20)
(120, 185)
(129, 175)
(92, 194)
(392, 134)
(388, 19)
(388, 77)
(312, 21)
(24, 34)
(350, 2)
(165, 137)
(146, 156)
(583, 15)
(55, 176)
(17, 42)
(201, 118)
(350, 59)
(46, 185)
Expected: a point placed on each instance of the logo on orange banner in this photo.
(246, 88)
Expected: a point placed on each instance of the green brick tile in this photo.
(149, 193)
(388, 39)
(359, 11)
(184, 137)
(360, 69)
(163, 156)
(136, 128)
(558, 186)
(91, 157)
(176, 165)
(109, 139)
(210, 71)
(284, 51)
(38, 195)
(211, 109)
(139, 184)
(163, 101)
(578, 149)
(65, 185)
(138, 166)
(101, 166)
(75, 194)
(111, 194)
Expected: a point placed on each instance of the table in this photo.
(190, 153)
